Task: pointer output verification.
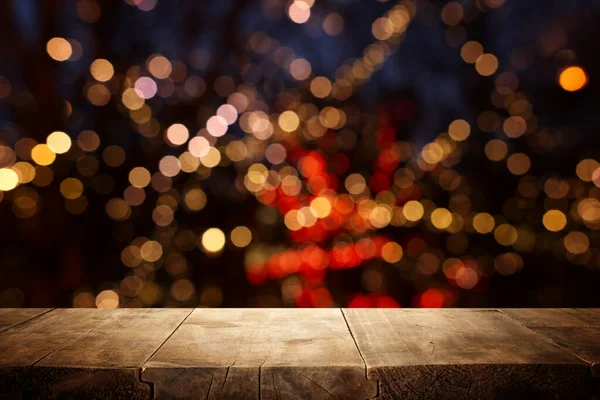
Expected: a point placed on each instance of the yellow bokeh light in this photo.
(518, 163)
(577, 242)
(413, 210)
(139, 177)
(392, 252)
(487, 64)
(59, 142)
(151, 251)
(213, 240)
(289, 121)
(320, 87)
(42, 154)
(554, 220)
(8, 179)
(241, 236)
(59, 49)
(321, 207)
(102, 70)
(506, 234)
(483, 223)
(441, 218)
(177, 134)
(459, 129)
(572, 79)
(107, 299)
(71, 188)
(25, 171)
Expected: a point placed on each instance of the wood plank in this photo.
(576, 330)
(86, 353)
(554, 317)
(27, 343)
(461, 353)
(260, 353)
(10, 317)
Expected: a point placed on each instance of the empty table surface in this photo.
(299, 353)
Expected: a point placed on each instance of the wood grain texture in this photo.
(87, 353)
(461, 353)
(260, 353)
(576, 330)
(10, 317)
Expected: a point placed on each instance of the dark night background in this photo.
(61, 252)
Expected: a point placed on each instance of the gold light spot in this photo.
(459, 129)
(59, 49)
(441, 218)
(59, 142)
(289, 121)
(131, 99)
(241, 236)
(139, 177)
(483, 223)
(321, 207)
(554, 220)
(71, 188)
(577, 242)
(43, 155)
(107, 299)
(151, 251)
(506, 234)
(382, 28)
(392, 252)
(177, 134)
(572, 79)
(118, 209)
(487, 64)
(25, 171)
(320, 87)
(452, 13)
(213, 240)
(585, 169)
(8, 179)
(355, 184)
(496, 150)
(102, 70)
(413, 210)
(518, 163)
(160, 67)
(471, 51)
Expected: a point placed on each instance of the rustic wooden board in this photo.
(462, 353)
(10, 317)
(86, 353)
(260, 353)
(576, 330)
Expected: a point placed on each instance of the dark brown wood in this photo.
(10, 317)
(300, 353)
(575, 330)
(460, 353)
(84, 353)
(260, 353)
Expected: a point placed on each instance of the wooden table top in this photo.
(299, 353)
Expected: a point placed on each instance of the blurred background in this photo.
(299, 153)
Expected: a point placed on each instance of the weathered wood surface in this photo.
(260, 353)
(293, 354)
(454, 353)
(10, 317)
(81, 353)
(576, 330)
